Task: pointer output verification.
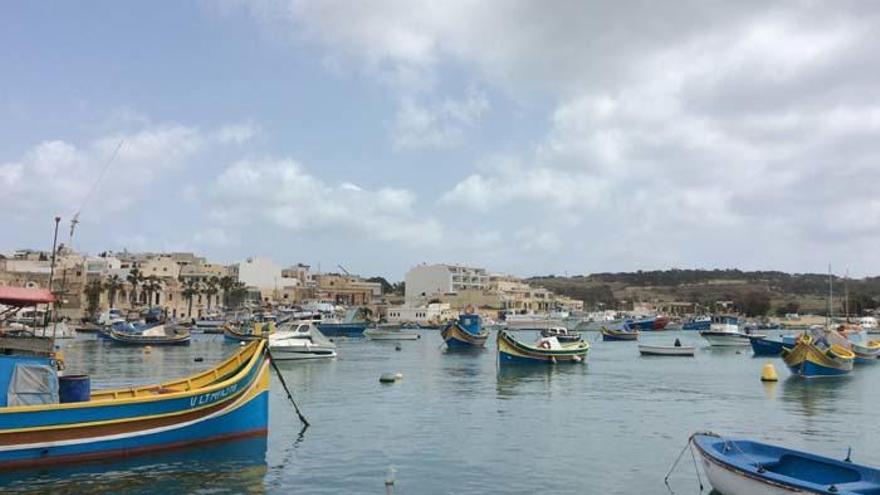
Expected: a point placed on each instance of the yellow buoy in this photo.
(768, 374)
(148, 349)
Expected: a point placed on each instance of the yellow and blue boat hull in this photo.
(457, 337)
(511, 351)
(809, 361)
(224, 403)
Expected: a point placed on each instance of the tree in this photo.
(237, 294)
(752, 303)
(93, 297)
(113, 285)
(135, 277)
(211, 289)
(226, 283)
(190, 289)
(152, 284)
(398, 288)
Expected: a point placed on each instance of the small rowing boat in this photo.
(545, 350)
(666, 350)
(157, 335)
(615, 335)
(746, 467)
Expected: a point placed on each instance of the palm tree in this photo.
(93, 297)
(237, 293)
(113, 285)
(152, 284)
(211, 289)
(226, 283)
(190, 290)
(134, 277)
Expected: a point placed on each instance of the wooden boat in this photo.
(467, 332)
(666, 350)
(562, 334)
(808, 360)
(614, 335)
(746, 467)
(246, 332)
(50, 419)
(546, 350)
(158, 335)
(856, 340)
(766, 346)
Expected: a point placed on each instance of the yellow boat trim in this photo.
(150, 393)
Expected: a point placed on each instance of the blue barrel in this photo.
(74, 388)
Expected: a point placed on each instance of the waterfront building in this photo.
(430, 314)
(424, 282)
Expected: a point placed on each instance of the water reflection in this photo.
(527, 379)
(229, 467)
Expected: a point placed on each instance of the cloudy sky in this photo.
(527, 137)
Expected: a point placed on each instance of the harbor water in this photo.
(458, 423)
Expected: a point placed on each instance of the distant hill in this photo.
(784, 292)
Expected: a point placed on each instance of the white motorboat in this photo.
(298, 341)
(531, 321)
(666, 350)
(389, 331)
(869, 324)
(724, 332)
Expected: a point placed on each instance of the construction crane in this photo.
(344, 270)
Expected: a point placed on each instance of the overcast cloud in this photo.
(523, 136)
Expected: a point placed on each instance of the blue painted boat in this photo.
(697, 323)
(810, 358)
(352, 325)
(653, 323)
(746, 467)
(226, 402)
(766, 346)
(465, 333)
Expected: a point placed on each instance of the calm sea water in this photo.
(457, 423)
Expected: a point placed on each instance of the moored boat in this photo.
(763, 345)
(666, 350)
(746, 467)
(46, 418)
(856, 340)
(810, 358)
(466, 332)
(697, 323)
(210, 324)
(724, 331)
(351, 325)
(623, 334)
(156, 335)
(248, 331)
(299, 341)
(562, 334)
(653, 323)
(547, 350)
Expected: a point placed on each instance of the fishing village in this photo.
(466, 247)
(256, 315)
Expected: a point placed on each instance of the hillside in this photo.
(779, 292)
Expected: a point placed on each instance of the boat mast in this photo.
(846, 295)
(830, 298)
(54, 307)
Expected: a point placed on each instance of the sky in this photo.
(526, 137)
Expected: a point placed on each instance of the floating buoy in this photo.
(199, 359)
(390, 377)
(768, 373)
(148, 349)
(397, 347)
(242, 344)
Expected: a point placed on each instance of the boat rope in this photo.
(286, 388)
(687, 446)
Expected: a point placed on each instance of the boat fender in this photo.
(199, 359)
(544, 344)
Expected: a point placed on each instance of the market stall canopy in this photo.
(23, 296)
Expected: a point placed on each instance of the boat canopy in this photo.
(23, 296)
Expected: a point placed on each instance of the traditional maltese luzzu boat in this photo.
(47, 418)
(545, 350)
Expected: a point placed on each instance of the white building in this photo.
(432, 314)
(261, 273)
(425, 281)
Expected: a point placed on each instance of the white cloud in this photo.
(62, 177)
(441, 125)
(283, 193)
